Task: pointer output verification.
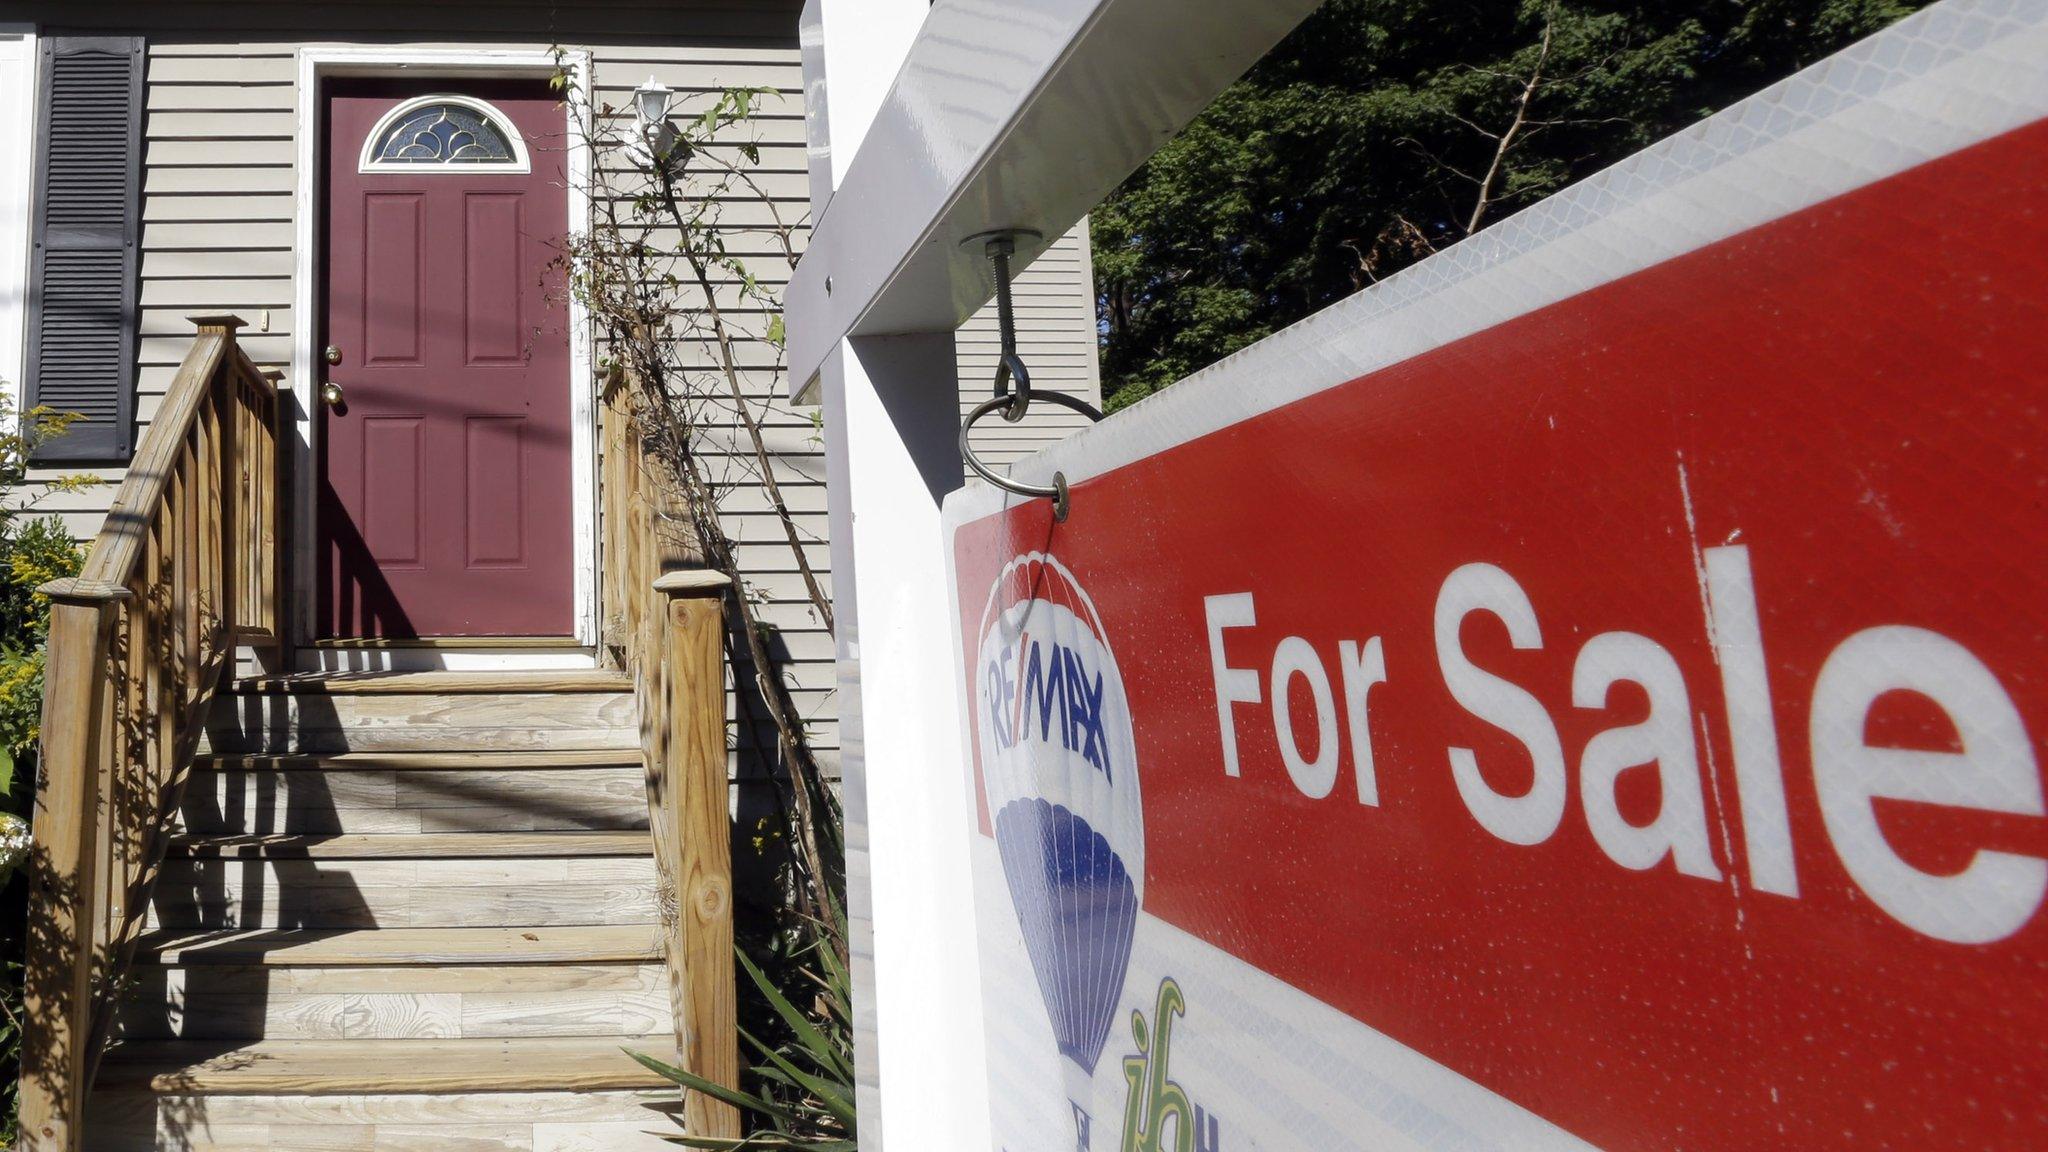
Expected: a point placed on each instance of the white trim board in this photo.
(307, 371)
(312, 659)
(18, 99)
(1955, 74)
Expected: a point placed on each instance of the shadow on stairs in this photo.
(403, 911)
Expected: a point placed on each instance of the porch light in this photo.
(655, 148)
(650, 100)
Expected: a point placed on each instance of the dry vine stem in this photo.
(651, 271)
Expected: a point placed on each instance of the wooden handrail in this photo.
(664, 616)
(118, 547)
(185, 566)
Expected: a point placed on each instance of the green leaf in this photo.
(825, 1052)
(775, 1075)
(835, 1097)
(766, 1142)
(838, 982)
(710, 1088)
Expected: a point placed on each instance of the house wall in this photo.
(219, 213)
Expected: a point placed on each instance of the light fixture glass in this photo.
(650, 101)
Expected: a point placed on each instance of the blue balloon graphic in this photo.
(1059, 764)
(1069, 887)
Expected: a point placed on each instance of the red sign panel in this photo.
(1635, 708)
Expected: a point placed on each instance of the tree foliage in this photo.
(1384, 130)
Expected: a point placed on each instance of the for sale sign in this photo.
(1589, 691)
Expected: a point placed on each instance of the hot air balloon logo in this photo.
(1059, 763)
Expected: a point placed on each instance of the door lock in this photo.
(330, 393)
(332, 355)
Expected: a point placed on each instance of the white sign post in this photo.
(927, 126)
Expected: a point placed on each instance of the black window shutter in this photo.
(88, 223)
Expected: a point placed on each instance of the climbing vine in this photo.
(670, 272)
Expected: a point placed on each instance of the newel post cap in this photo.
(78, 590)
(692, 582)
(225, 322)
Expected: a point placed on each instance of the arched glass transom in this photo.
(456, 133)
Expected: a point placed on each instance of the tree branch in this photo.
(1507, 138)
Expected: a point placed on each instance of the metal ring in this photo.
(1055, 491)
(1011, 368)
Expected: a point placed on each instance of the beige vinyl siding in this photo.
(219, 207)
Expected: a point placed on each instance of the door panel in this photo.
(492, 282)
(392, 512)
(394, 258)
(496, 453)
(444, 475)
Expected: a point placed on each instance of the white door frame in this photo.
(308, 372)
(17, 202)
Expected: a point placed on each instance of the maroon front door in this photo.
(445, 482)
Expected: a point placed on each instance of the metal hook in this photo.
(999, 246)
(1011, 367)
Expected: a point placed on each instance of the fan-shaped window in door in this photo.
(453, 133)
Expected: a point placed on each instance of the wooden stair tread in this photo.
(435, 682)
(393, 947)
(430, 798)
(399, 1067)
(424, 760)
(507, 720)
(410, 846)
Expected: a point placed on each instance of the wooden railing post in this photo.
(692, 837)
(121, 709)
(274, 596)
(57, 1000)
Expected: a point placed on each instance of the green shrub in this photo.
(33, 551)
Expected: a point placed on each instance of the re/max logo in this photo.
(1047, 689)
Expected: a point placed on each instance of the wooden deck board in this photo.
(420, 761)
(359, 1067)
(269, 903)
(630, 1120)
(585, 944)
(399, 1011)
(379, 802)
(435, 683)
(501, 720)
(435, 846)
(170, 984)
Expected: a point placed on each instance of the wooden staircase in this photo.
(401, 911)
(366, 911)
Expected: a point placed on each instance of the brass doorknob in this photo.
(330, 392)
